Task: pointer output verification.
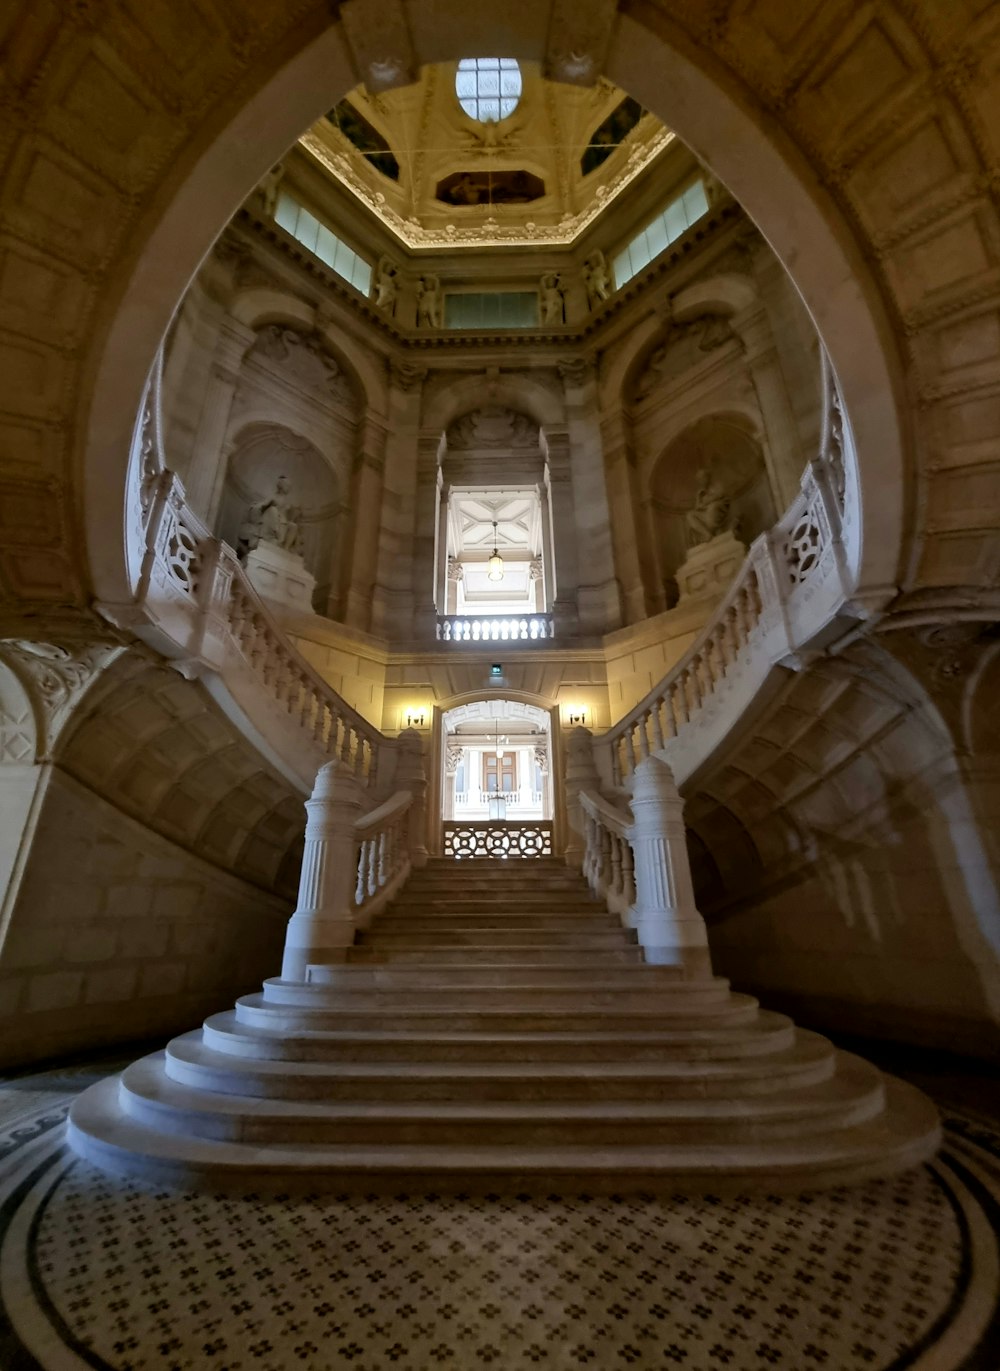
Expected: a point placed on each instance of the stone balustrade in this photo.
(468, 628)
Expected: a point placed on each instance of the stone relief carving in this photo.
(55, 676)
(579, 33)
(551, 299)
(575, 371)
(407, 375)
(456, 569)
(709, 516)
(535, 570)
(303, 359)
(268, 188)
(680, 350)
(541, 755)
(429, 302)
(453, 760)
(493, 427)
(380, 44)
(386, 286)
(276, 520)
(596, 279)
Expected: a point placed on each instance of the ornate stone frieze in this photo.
(575, 371)
(681, 348)
(492, 428)
(304, 360)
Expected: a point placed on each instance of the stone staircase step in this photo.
(462, 938)
(193, 1062)
(512, 988)
(768, 1033)
(580, 964)
(904, 1135)
(255, 1009)
(853, 1095)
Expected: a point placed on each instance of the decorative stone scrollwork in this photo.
(487, 839)
(456, 570)
(541, 757)
(55, 677)
(407, 375)
(492, 428)
(575, 371)
(178, 545)
(303, 359)
(453, 760)
(803, 548)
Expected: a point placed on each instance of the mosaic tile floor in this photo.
(97, 1273)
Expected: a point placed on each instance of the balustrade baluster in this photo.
(628, 873)
(643, 737)
(359, 755)
(604, 879)
(658, 739)
(629, 752)
(345, 743)
(616, 865)
(683, 713)
(616, 762)
(359, 889)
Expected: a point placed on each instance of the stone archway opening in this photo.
(497, 795)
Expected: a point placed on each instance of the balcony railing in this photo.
(469, 628)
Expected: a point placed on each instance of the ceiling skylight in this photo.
(488, 88)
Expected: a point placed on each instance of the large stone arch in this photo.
(283, 89)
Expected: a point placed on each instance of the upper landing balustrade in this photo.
(468, 628)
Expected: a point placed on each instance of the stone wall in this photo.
(117, 934)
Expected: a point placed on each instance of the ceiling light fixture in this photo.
(495, 572)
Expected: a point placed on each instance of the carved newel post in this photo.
(664, 915)
(581, 774)
(411, 775)
(323, 925)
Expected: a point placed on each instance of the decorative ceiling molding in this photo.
(490, 230)
(579, 39)
(379, 39)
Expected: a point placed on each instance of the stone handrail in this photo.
(193, 602)
(793, 582)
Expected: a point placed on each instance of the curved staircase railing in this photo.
(193, 603)
(794, 582)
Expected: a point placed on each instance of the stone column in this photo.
(456, 574)
(564, 540)
(392, 607)
(783, 454)
(425, 513)
(366, 503)
(634, 560)
(207, 471)
(322, 927)
(664, 915)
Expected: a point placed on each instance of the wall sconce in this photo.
(415, 718)
(577, 716)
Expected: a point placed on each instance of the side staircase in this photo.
(496, 1025)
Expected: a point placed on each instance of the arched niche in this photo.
(728, 446)
(261, 454)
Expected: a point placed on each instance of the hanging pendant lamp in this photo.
(495, 572)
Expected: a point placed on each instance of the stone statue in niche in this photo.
(276, 520)
(709, 515)
(596, 279)
(429, 302)
(551, 299)
(386, 286)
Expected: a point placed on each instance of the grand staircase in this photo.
(496, 1025)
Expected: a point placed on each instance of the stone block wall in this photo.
(117, 934)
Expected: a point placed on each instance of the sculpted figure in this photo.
(386, 286)
(552, 299)
(596, 279)
(710, 514)
(276, 520)
(429, 302)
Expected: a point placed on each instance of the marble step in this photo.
(461, 937)
(191, 1061)
(443, 923)
(906, 1134)
(852, 1095)
(392, 985)
(531, 902)
(769, 1033)
(491, 1018)
(584, 963)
